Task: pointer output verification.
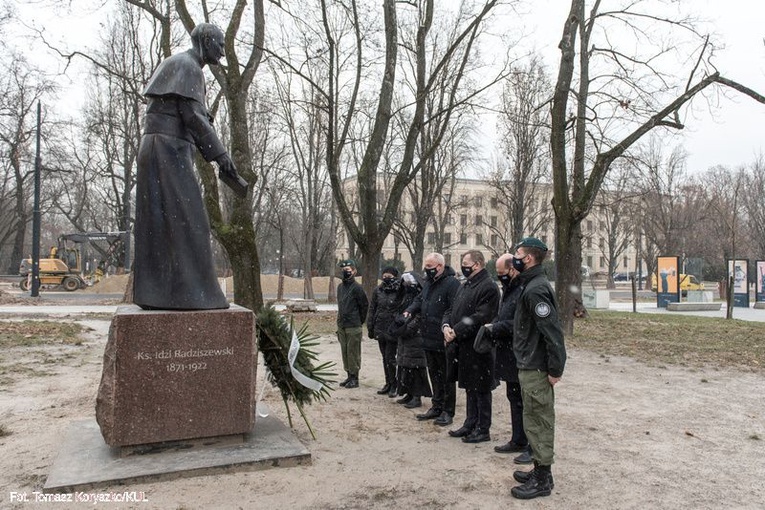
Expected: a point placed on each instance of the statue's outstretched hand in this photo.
(227, 173)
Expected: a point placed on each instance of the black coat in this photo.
(502, 333)
(385, 305)
(431, 304)
(537, 333)
(410, 353)
(352, 304)
(475, 304)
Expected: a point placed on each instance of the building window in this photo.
(601, 243)
(463, 200)
(589, 261)
(494, 202)
(589, 242)
(463, 220)
(463, 238)
(626, 262)
(494, 240)
(479, 201)
(448, 259)
(447, 239)
(544, 239)
(431, 238)
(448, 219)
(589, 225)
(602, 262)
(479, 239)
(493, 221)
(478, 220)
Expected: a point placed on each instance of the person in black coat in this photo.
(437, 295)
(501, 330)
(474, 305)
(410, 360)
(385, 305)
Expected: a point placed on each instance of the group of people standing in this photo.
(429, 334)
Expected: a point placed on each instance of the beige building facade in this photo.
(473, 216)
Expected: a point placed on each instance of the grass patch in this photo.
(319, 323)
(35, 333)
(672, 339)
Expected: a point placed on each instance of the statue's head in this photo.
(207, 40)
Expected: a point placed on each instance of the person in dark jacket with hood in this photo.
(352, 306)
(501, 330)
(475, 304)
(410, 360)
(436, 297)
(385, 305)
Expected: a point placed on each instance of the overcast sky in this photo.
(731, 134)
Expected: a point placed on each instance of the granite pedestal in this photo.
(177, 375)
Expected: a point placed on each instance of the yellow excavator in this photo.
(63, 266)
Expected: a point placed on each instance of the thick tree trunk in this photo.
(568, 262)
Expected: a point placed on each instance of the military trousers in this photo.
(350, 347)
(538, 414)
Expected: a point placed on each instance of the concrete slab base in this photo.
(759, 305)
(693, 307)
(85, 462)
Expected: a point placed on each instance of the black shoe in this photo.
(392, 392)
(384, 390)
(523, 477)
(511, 447)
(443, 420)
(429, 414)
(461, 432)
(405, 399)
(524, 458)
(476, 437)
(347, 380)
(354, 381)
(539, 483)
(414, 403)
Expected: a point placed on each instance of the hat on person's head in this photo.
(390, 270)
(531, 242)
(347, 263)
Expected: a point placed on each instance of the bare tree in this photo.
(614, 101)
(753, 199)
(521, 178)
(21, 89)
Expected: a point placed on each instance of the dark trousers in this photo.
(478, 405)
(388, 348)
(444, 393)
(516, 412)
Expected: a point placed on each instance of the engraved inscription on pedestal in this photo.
(171, 375)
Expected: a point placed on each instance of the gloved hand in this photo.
(225, 166)
(227, 173)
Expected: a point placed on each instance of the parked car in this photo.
(621, 277)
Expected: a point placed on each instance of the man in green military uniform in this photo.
(541, 356)
(352, 307)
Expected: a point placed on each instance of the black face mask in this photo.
(347, 275)
(504, 279)
(467, 271)
(431, 273)
(518, 264)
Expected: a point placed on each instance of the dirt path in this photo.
(629, 436)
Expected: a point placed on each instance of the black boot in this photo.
(393, 391)
(347, 380)
(405, 399)
(413, 403)
(353, 382)
(384, 390)
(539, 483)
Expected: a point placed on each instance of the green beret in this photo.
(347, 263)
(531, 242)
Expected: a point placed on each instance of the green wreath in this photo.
(274, 340)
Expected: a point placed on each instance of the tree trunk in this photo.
(568, 260)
